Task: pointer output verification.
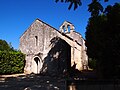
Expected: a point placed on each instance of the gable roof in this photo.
(39, 21)
(53, 28)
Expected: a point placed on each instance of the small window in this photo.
(36, 40)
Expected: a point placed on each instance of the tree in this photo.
(102, 37)
(4, 46)
(102, 41)
(77, 3)
(11, 61)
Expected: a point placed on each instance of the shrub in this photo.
(11, 62)
(92, 63)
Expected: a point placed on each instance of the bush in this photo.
(92, 63)
(11, 62)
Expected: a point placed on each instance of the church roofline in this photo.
(53, 28)
(46, 23)
(79, 34)
(40, 21)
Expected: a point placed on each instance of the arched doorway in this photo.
(36, 65)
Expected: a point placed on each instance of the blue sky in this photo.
(17, 15)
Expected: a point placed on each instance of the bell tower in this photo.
(67, 27)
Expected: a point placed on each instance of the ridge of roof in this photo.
(46, 23)
(40, 21)
(58, 30)
(51, 27)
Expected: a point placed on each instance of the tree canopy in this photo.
(11, 61)
(102, 36)
(4, 46)
(77, 3)
(102, 41)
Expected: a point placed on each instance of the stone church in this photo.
(53, 51)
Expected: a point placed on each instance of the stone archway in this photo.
(36, 65)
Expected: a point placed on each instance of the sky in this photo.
(17, 15)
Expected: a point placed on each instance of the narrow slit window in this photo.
(36, 40)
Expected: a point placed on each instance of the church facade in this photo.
(53, 51)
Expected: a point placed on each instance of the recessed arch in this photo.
(36, 64)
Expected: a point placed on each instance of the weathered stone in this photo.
(52, 51)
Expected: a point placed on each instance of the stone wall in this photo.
(44, 34)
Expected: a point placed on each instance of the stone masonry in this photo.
(50, 50)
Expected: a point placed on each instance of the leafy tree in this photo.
(77, 3)
(102, 37)
(102, 41)
(95, 8)
(11, 61)
(4, 46)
